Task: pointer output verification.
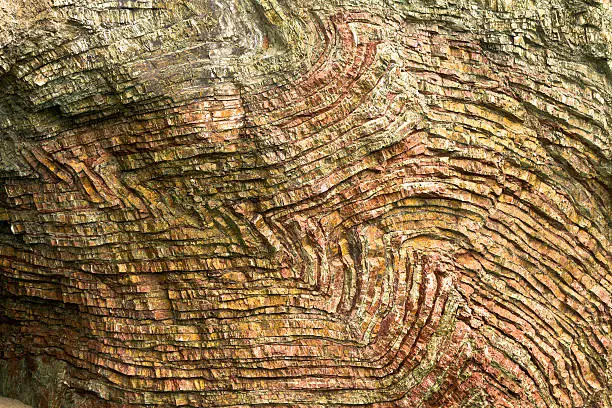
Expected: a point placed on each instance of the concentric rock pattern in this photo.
(308, 203)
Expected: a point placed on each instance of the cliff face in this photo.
(306, 203)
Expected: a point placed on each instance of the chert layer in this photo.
(308, 202)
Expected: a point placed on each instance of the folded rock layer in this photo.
(306, 203)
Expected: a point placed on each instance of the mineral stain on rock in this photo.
(305, 203)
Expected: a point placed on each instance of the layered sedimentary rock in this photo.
(306, 203)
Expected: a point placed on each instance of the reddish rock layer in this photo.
(279, 204)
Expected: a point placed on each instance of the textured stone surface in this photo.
(11, 403)
(306, 203)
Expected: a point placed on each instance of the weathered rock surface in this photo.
(306, 203)
(11, 403)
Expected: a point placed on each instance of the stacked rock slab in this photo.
(306, 203)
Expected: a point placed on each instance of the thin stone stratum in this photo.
(306, 203)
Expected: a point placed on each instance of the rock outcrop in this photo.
(306, 203)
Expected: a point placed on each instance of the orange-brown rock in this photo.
(306, 203)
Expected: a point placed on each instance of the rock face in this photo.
(306, 203)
